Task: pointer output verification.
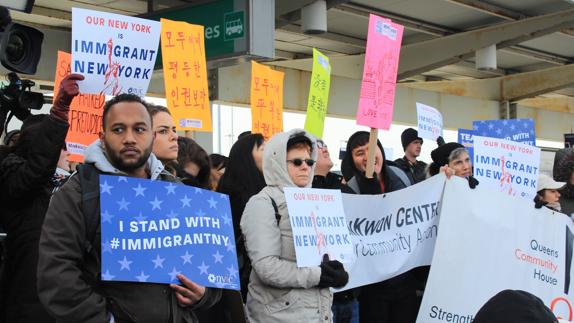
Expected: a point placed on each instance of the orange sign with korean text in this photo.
(266, 100)
(85, 116)
(185, 75)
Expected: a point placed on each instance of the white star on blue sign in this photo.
(170, 188)
(125, 263)
(107, 217)
(123, 204)
(105, 188)
(158, 262)
(203, 268)
(226, 219)
(140, 217)
(173, 274)
(142, 277)
(107, 275)
(139, 190)
(185, 201)
(217, 256)
(186, 258)
(156, 204)
(107, 247)
(232, 271)
(212, 203)
(171, 214)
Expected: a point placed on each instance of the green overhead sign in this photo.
(225, 26)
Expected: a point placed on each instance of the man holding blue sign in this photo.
(70, 280)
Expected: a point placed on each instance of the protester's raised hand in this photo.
(188, 294)
(447, 170)
(369, 185)
(68, 90)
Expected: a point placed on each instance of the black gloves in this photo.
(472, 182)
(333, 273)
(369, 185)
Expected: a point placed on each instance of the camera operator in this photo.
(27, 179)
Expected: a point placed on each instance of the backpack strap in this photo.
(401, 175)
(354, 185)
(90, 184)
(277, 215)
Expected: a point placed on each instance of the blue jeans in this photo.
(346, 312)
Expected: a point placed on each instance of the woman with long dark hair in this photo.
(242, 179)
(194, 167)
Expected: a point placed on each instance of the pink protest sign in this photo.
(380, 73)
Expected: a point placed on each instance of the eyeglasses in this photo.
(321, 144)
(297, 162)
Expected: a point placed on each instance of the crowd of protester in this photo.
(51, 257)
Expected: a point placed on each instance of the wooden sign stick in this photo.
(371, 156)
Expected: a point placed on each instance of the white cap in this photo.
(546, 182)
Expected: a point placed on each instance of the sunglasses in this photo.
(297, 162)
(321, 144)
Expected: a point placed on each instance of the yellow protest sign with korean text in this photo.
(185, 75)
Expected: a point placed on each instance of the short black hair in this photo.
(124, 97)
(299, 140)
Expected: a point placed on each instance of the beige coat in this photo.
(278, 290)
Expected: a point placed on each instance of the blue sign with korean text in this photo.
(153, 230)
(465, 139)
(518, 130)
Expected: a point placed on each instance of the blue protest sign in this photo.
(153, 230)
(465, 139)
(518, 130)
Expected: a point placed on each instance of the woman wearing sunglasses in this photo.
(279, 291)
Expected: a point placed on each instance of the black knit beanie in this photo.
(408, 136)
(514, 306)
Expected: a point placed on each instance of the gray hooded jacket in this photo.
(278, 290)
(69, 282)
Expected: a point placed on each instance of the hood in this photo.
(94, 154)
(563, 165)
(357, 139)
(275, 159)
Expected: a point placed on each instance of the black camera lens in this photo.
(16, 49)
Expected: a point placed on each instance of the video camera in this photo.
(17, 99)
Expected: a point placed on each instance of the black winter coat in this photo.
(416, 173)
(398, 294)
(25, 194)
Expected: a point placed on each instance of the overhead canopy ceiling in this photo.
(425, 21)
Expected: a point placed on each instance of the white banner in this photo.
(392, 233)
(490, 242)
(319, 225)
(115, 53)
(429, 121)
(506, 166)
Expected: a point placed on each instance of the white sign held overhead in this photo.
(429, 121)
(115, 53)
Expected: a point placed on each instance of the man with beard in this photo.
(69, 277)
